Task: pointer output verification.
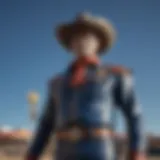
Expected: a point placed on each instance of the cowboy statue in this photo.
(82, 100)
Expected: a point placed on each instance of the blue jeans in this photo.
(86, 149)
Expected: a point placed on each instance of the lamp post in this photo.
(33, 98)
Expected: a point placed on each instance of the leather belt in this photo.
(76, 134)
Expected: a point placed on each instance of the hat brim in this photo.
(105, 33)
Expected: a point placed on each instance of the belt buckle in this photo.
(75, 134)
(100, 133)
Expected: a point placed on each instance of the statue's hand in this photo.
(141, 156)
(30, 158)
(137, 156)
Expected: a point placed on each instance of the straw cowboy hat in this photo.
(85, 22)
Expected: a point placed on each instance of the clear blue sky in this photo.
(30, 54)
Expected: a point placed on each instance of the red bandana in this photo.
(79, 68)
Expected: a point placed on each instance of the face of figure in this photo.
(85, 44)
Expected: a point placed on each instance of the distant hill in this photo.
(14, 134)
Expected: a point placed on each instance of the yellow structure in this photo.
(33, 98)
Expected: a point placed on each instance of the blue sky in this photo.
(30, 54)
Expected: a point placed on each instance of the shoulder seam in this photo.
(117, 69)
(55, 79)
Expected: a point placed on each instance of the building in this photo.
(14, 143)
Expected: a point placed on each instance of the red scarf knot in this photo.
(79, 67)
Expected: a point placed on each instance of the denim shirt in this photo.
(92, 104)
